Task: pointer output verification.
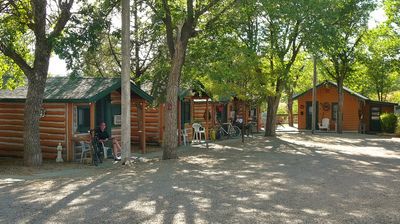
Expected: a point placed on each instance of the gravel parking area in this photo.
(293, 178)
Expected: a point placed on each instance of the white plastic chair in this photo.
(184, 134)
(324, 125)
(198, 130)
(85, 149)
(105, 150)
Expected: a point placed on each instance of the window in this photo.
(334, 111)
(115, 110)
(185, 112)
(83, 118)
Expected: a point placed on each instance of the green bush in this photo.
(388, 122)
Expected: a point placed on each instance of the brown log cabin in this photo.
(360, 113)
(72, 106)
(194, 105)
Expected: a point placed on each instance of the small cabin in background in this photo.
(198, 107)
(71, 107)
(360, 114)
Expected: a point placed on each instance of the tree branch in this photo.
(62, 19)
(170, 31)
(17, 58)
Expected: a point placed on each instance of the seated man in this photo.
(103, 137)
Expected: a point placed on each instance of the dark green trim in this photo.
(105, 92)
(95, 98)
(141, 93)
(333, 117)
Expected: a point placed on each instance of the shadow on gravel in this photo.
(295, 178)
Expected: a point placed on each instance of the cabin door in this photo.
(103, 113)
(374, 121)
(309, 116)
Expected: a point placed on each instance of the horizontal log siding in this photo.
(330, 95)
(152, 121)
(52, 129)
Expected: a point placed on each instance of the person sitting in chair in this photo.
(104, 138)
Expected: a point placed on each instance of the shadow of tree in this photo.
(296, 178)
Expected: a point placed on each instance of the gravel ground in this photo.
(294, 178)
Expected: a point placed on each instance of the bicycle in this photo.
(231, 131)
(96, 152)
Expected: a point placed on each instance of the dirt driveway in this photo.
(294, 178)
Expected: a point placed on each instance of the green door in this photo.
(309, 116)
(374, 121)
(103, 112)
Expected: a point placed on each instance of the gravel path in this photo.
(294, 178)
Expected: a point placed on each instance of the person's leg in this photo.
(116, 149)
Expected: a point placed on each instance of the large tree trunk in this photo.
(170, 140)
(33, 105)
(272, 109)
(290, 110)
(339, 120)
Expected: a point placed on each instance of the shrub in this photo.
(388, 122)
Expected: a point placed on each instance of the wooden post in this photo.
(143, 128)
(92, 107)
(179, 121)
(161, 123)
(191, 110)
(125, 84)
(69, 131)
(314, 97)
(207, 129)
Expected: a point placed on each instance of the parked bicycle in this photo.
(231, 131)
(96, 148)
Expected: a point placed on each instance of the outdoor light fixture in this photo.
(42, 112)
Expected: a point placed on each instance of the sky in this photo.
(58, 66)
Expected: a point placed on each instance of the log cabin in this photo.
(360, 113)
(71, 107)
(194, 105)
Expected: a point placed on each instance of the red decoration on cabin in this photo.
(301, 106)
(326, 106)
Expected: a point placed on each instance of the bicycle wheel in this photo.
(221, 134)
(235, 132)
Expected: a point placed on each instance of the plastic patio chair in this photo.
(184, 134)
(85, 150)
(198, 130)
(324, 125)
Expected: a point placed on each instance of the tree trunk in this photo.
(290, 109)
(270, 123)
(170, 142)
(33, 105)
(339, 120)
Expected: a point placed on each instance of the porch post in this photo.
(314, 97)
(92, 108)
(143, 128)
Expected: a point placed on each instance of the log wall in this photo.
(52, 129)
(153, 125)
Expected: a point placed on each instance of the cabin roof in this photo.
(73, 89)
(351, 92)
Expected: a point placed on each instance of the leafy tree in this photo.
(182, 21)
(299, 81)
(23, 23)
(92, 43)
(285, 27)
(343, 29)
